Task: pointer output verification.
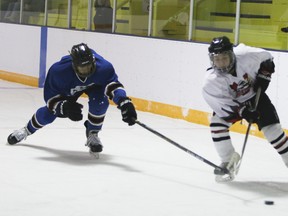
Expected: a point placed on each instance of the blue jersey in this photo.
(62, 83)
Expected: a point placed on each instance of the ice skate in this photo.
(94, 144)
(18, 135)
(231, 166)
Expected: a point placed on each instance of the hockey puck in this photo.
(269, 202)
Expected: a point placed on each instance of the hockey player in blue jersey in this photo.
(83, 71)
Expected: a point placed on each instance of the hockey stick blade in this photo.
(224, 170)
(225, 178)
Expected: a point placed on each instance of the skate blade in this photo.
(95, 155)
(225, 178)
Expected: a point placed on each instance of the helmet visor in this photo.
(222, 61)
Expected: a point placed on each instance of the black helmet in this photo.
(83, 60)
(221, 54)
(220, 44)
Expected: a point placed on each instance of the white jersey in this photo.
(223, 92)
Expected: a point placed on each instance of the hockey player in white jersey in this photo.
(229, 89)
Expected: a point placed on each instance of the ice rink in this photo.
(138, 173)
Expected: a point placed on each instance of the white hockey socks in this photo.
(278, 139)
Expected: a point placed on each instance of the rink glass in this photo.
(261, 23)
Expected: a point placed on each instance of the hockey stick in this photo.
(226, 171)
(248, 130)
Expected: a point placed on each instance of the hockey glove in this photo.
(252, 116)
(128, 111)
(263, 77)
(72, 110)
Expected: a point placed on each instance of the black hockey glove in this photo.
(128, 111)
(263, 77)
(252, 116)
(72, 110)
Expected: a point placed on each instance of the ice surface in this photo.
(138, 174)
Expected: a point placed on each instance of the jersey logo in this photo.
(242, 87)
(78, 89)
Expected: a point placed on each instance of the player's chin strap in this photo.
(224, 170)
(248, 130)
